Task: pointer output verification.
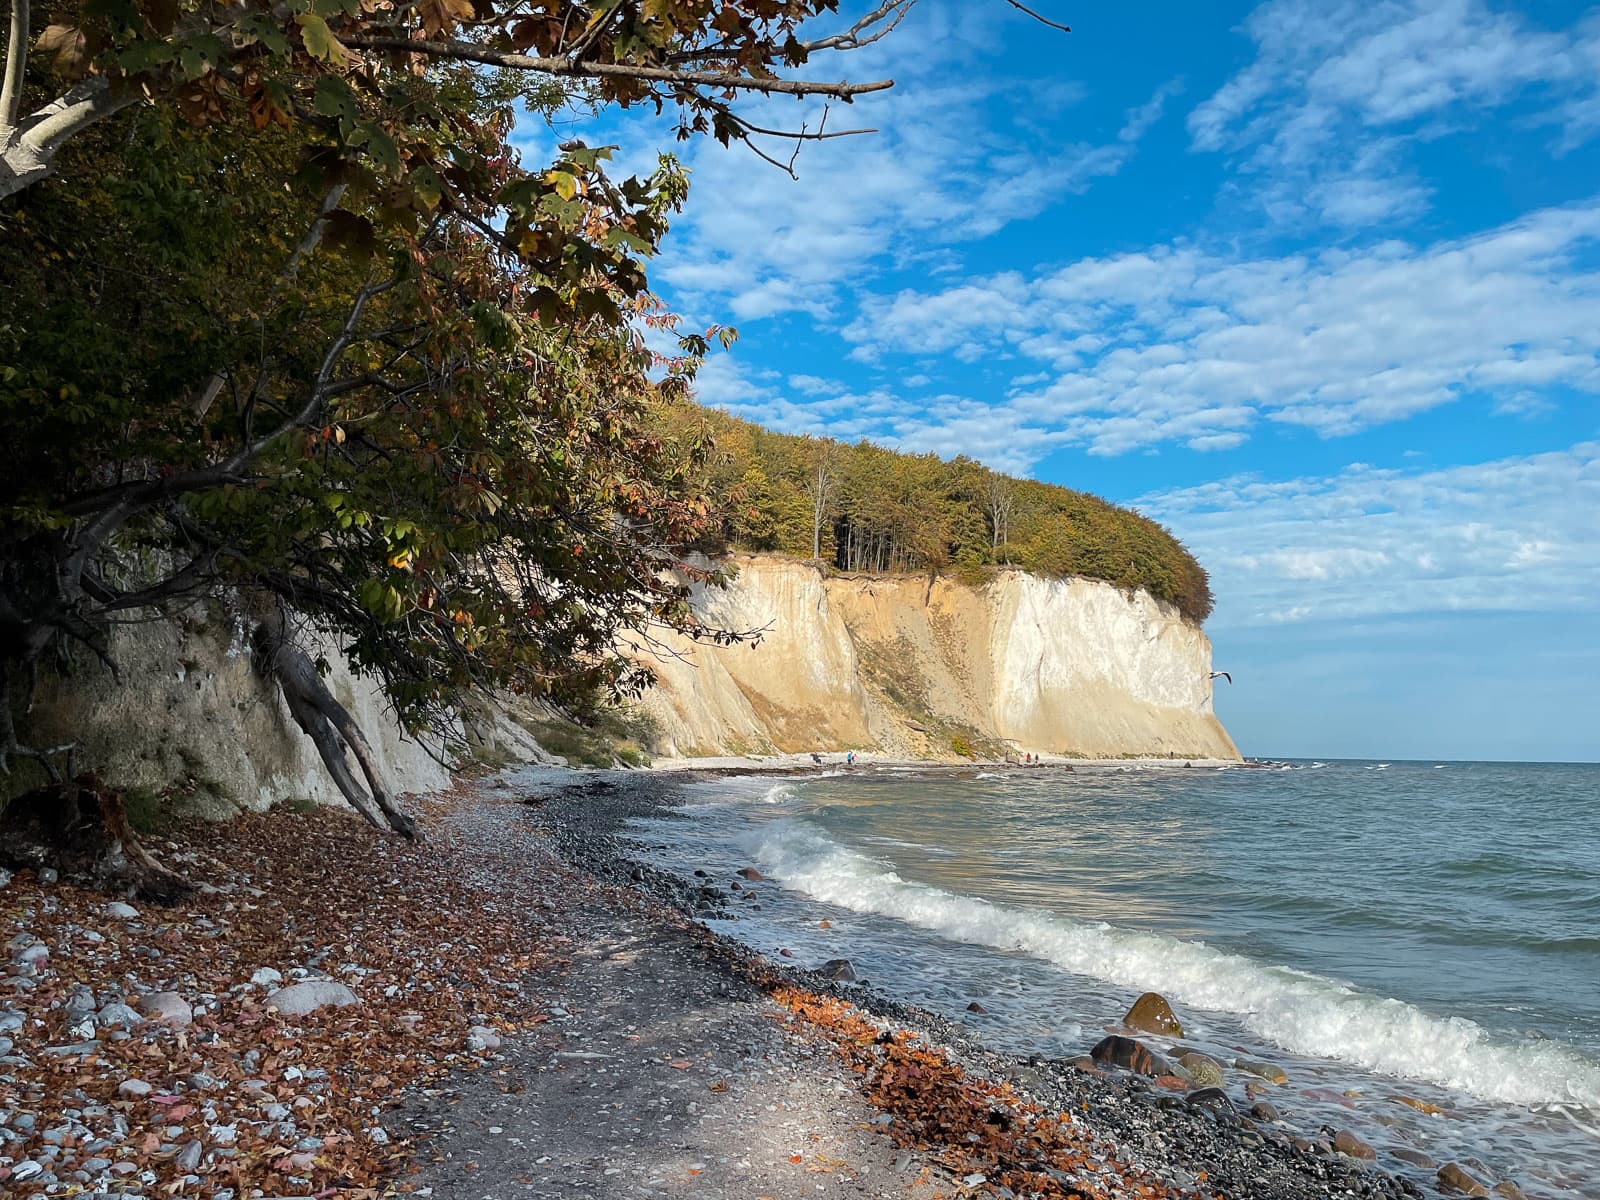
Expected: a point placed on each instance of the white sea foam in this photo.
(1300, 1012)
(779, 793)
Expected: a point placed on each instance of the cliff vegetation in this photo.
(865, 508)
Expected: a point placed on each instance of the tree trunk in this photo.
(328, 724)
(80, 827)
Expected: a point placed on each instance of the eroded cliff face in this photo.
(895, 665)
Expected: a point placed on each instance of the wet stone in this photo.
(1346, 1142)
(1262, 1070)
(1415, 1157)
(1454, 1180)
(1262, 1110)
(1152, 1014)
(1129, 1055)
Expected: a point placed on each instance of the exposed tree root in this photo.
(80, 827)
(328, 724)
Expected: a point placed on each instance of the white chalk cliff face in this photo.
(1069, 666)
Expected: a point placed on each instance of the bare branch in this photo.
(886, 16)
(799, 135)
(1039, 17)
(16, 64)
(472, 52)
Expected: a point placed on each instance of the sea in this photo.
(1417, 944)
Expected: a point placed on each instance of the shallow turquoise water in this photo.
(1418, 929)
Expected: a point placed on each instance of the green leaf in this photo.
(259, 29)
(428, 186)
(381, 149)
(320, 42)
(618, 236)
(333, 98)
(146, 56)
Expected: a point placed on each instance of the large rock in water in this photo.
(1346, 1142)
(1203, 1069)
(1454, 1179)
(1152, 1014)
(298, 999)
(1263, 1070)
(1130, 1055)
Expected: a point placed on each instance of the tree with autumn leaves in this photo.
(398, 430)
(343, 67)
(289, 324)
(287, 320)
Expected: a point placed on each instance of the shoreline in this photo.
(803, 763)
(532, 1013)
(1196, 1148)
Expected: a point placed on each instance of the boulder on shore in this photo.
(1152, 1014)
(1129, 1055)
(750, 873)
(1210, 1097)
(299, 999)
(167, 1008)
(1346, 1142)
(840, 969)
(1415, 1157)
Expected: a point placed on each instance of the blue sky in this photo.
(1315, 284)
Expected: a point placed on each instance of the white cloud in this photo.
(1515, 534)
(1320, 114)
(757, 244)
(1177, 343)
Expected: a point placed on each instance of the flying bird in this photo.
(1224, 674)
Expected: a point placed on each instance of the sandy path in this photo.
(656, 1075)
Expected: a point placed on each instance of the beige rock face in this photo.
(898, 666)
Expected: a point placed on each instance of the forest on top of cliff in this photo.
(863, 507)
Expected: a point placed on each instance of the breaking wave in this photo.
(1301, 1012)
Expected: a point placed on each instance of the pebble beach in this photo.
(515, 1006)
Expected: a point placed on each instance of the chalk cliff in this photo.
(887, 664)
(192, 719)
(1070, 666)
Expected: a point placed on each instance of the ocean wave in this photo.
(1301, 1012)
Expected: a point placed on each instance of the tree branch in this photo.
(305, 246)
(1039, 17)
(473, 52)
(75, 110)
(27, 150)
(16, 64)
(887, 15)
